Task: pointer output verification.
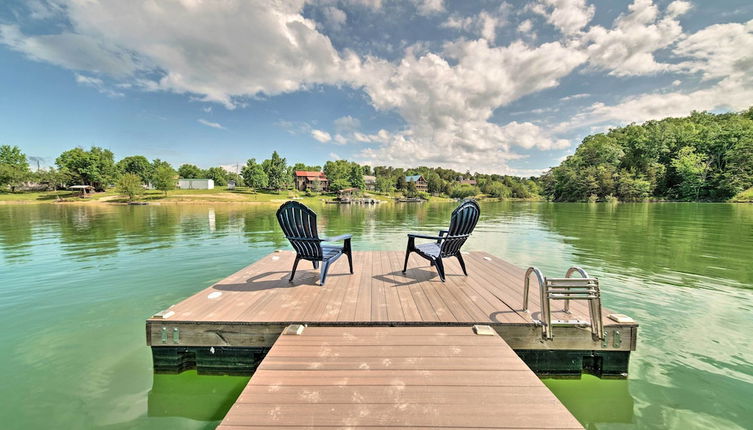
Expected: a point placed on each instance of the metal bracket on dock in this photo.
(567, 288)
(176, 335)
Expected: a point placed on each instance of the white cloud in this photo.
(217, 50)
(98, 84)
(722, 54)
(429, 7)
(448, 106)
(211, 124)
(71, 51)
(339, 139)
(679, 7)
(718, 51)
(334, 156)
(347, 124)
(321, 136)
(575, 97)
(569, 16)
(484, 24)
(335, 17)
(628, 48)
(525, 26)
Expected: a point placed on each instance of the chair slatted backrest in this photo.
(299, 225)
(462, 223)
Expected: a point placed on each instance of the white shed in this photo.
(195, 184)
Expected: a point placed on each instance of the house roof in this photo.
(369, 178)
(306, 174)
(413, 178)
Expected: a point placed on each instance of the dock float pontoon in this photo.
(229, 327)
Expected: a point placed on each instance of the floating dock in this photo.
(230, 327)
(396, 377)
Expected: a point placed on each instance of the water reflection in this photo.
(198, 397)
(77, 282)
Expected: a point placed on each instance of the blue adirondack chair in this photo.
(449, 242)
(299, 225)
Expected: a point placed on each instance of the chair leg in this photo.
(462, 263)
(323, 272)
(407, 254)
(316, 264)
(295, 266)
(350, 261)
(440, 268)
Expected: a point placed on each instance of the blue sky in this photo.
(507, 87)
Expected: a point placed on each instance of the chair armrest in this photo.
(444, 232)
(424, 236)
(337, 238)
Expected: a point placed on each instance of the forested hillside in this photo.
(704, 156)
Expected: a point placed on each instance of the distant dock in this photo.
(230, 326)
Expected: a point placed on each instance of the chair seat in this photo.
(331, 251)
(429, 249)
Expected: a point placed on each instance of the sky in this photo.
(486, 86)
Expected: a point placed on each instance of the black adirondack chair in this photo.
(299, 225)
(449, 242)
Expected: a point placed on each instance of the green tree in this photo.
(276, 171)
(218, 175)
(138, 165)
(190, 171)
(14, 167)
(738, 175)
(254, 175)
(51, 177)
(338, 169)
(692, 168)
(95, 167)
(384, 184)
(496, 189)
(401, 183)
(410, 190)
(338, 184)
(164, 178)
(130, 185)
(356, 177)
(434, 182)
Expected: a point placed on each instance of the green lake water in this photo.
(77, 283)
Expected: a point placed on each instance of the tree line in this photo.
(97, 168)
(701, 157)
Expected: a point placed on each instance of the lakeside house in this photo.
(196, 184)
(419, 181)
(370, 182)
(467, 182)
(314, 181)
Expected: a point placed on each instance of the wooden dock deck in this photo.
(396, 377)
(229, 327)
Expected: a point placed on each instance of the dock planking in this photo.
(250, 308)
(397, 377)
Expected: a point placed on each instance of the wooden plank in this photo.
(378, 293)
(396, 377)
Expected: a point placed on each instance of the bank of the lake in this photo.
(78, 281)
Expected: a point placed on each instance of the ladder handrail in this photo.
(560, 292)
(569, 273)
(541, 279)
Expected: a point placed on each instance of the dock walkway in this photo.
(396, 377)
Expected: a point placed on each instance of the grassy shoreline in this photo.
(240, 196)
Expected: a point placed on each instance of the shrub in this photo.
(463, 191)
(130, 185)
